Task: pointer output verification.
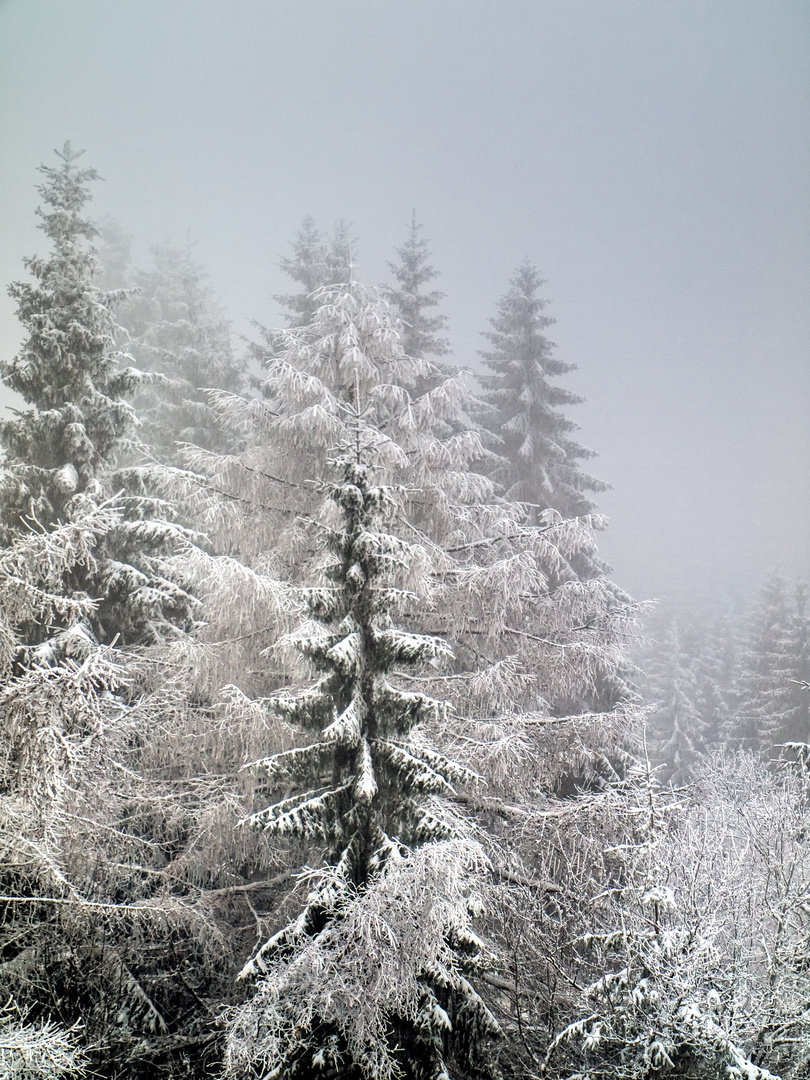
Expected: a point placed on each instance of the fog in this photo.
(650, 158)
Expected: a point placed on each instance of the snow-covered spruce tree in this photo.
(67, 369)
(106, 908)
(316, 261)
(716, 676)
(772, 707)
(364, 983)
(59, 452)
(542, 459)
(422, 332)
(115, 270)
(677, 733)
(56, 724)
(178, 334)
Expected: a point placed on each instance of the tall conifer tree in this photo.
(178, 333)
(61, 450)
(772, 706)
(317, 261)
(423, 332)
(542, 459)
(367, 788)
(678, 732)
(68, 369)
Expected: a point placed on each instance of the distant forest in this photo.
(330, 749)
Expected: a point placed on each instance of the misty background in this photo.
(650, 158)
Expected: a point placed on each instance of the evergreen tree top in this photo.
(66, 192)
(68, 369)
(60, 453)
(179, 333)
(316, 261)
(520, 346)
(541, 463)
(422, 332)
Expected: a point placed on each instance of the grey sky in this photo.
(651, 158)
